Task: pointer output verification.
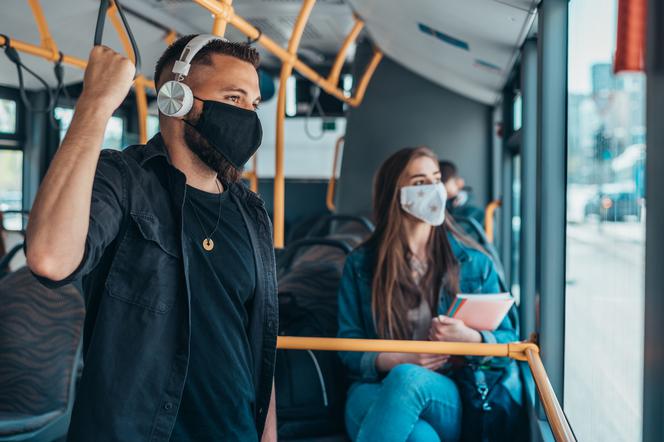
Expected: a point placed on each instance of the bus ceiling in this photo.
(445, 42)
(449, 43)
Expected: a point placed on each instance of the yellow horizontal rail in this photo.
(42, 52)
(515, 350)
(46, 54)
(521, 351)
(489, 218)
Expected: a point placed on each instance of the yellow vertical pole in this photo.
(331, 185)
(220, 21)
(171, 37)
(333, 77)
(141, 109)
(254, 175)
(286, 70)
(47, 41)
(219, 26)
(366, 77)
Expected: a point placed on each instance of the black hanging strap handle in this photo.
(15, 58)
(99, 29)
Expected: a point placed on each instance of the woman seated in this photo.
(399, 285)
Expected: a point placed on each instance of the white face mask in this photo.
(426, 202)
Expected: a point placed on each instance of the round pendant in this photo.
(208, 244)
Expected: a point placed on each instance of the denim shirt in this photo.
(137, 326)
(477, 275)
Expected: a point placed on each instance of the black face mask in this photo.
(236, 133)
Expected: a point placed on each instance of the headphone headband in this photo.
(175, 98)
(182, 65)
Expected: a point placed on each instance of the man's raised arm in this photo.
(59, 220)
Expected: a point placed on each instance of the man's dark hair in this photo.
(448, 170)
(238, 50)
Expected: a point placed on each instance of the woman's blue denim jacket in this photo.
(477, 275)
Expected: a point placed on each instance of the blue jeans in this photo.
(411, 404)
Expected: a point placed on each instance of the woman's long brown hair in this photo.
(394, 292)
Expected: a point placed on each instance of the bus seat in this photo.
(340, 223)
(13, 239)
(331, 223)
(8, 258)
(40, 353)
(310, 385)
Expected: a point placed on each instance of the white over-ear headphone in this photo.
(175, 98)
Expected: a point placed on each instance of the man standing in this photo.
(175, 254)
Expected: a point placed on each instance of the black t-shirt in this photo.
(219, 394)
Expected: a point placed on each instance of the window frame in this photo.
(552, 190)
(13, 141)
(529, 185)
(653, 383)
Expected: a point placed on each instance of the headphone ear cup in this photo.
(175, 99)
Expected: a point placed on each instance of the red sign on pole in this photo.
(631, 36)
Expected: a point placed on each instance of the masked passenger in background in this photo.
(459, 196)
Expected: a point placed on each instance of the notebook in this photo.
(481, 311)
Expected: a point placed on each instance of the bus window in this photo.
(153, 125)
(517, 107)
(516, 227)
(113, 137)
(605, 232)
(11, 184)
(11, 166)
(7, 116)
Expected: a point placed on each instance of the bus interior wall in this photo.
(305, 202)
(403, 109)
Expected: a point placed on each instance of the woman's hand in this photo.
(444, 328)
(387, 361)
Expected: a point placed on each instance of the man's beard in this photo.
(210, 156)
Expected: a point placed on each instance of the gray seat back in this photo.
(40, 332)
